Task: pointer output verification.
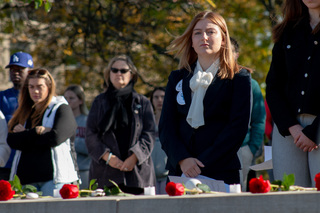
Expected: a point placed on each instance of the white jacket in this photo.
(63, 167)
(4, 147)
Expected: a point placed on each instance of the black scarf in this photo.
(116, 116)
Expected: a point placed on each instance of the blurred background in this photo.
(74, 39)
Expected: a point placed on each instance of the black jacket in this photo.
(293, 84)
(226, 114)
(142, 142)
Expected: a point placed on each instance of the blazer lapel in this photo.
(212, 92)
(186, 88)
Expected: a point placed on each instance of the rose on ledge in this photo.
(14, 189)
(6, 192)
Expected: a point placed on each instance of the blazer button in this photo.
(316, 42)
(288, 46)
(306, 75)
(302, 92)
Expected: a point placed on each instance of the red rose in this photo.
(6, 193)
(317, 180)
(69, 191)
(258, 185)
(174, 189)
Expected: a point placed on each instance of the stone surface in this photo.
(223, 202)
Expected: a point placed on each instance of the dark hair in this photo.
(235, 44)
(154, 90)
(293, 11)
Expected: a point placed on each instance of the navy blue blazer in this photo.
(226, 114)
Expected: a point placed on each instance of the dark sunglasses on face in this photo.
(123, 71)
(37, 71)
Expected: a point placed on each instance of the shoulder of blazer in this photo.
(243, 73)
(177, 75)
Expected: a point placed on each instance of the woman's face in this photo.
(207, 39)
(120, 80)
(312, 4)
(73, 100)
(38, 89)
(157, 100)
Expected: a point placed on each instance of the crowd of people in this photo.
(209, 120)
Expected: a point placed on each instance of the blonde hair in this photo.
(182, 45)
(26, 104)
(128, 61)
(79, 92)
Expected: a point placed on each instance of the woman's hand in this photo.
(301, 140)
(18, 128)
(114, 161)
(40, 130)
(190, 167)
(129, 163)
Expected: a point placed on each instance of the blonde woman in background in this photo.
(75, 96)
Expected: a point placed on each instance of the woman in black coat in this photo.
(120, 131)
(293, 92)
(207, 103)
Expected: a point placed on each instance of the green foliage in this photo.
(81, 37)
(38, 4)
(288, 180)
(22, 190)
(205, 188)
(93, 185)
(116, 191)
(284, 185)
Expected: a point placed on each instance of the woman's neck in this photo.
(76, 112)
(314, 17)
(206, 62)
(157, 116)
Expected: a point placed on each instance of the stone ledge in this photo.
(277, 202)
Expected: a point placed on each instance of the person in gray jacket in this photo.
(4, 148)
(120, 131)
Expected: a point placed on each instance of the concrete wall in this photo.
(278, 202)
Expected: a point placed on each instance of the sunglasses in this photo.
(123, 71)
(38, 72)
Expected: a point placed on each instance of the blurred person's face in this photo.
(312, 4)
(120, 74)
(73, 100)
(18, 75)
(38, 90)
(157, 100)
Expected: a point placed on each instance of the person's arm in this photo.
(231, 137)
(169, 125)
(64, 127)
(144, 144)
(257, 121)
(4, 148)
(98, 151)
(275, 92)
